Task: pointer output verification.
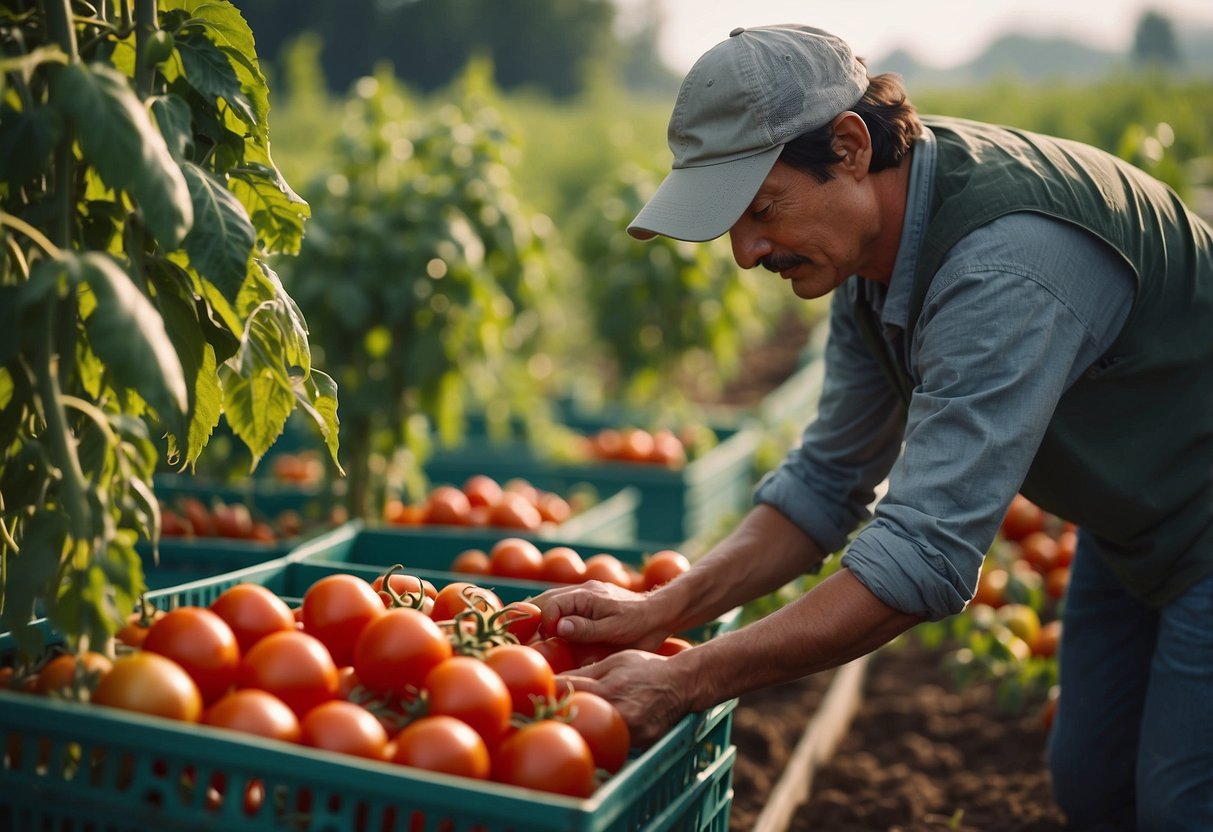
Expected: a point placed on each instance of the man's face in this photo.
(813, 234)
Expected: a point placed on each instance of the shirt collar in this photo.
(918, 203)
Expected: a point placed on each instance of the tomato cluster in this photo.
(516, 557)
(302, 468)
(481, 502)
(192, 517)
(397, 670)
(632, 444)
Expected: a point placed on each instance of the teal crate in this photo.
(266, 498)
(675, 504)
(75, 768)
(182, 560)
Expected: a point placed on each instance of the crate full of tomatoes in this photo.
(312, 696)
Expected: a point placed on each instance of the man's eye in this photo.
(763, 212)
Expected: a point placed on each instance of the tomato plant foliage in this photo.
(139, 206)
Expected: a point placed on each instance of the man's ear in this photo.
(853, 142)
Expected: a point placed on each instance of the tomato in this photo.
(397, 650)
(294, 666)
(447, 505)
(607, 568)
(668, 449)
(232, 520)
(173, 524)
(469, 690)
(1057, 580)
(254, 711)
(663, 567)
(197, 517)
(471, 562)
(515, 511)
(58, 676)
(253, 612)
(526, 674)
(673, 645)
(137, 624)
(399, 513)
(522, 620)
(402, 585)
(1022, 518)
(344, 727)
(546, 755)
(482, 490)
(336, 609)
(202, 643)
(1039, 550)
(458, 596)
(637, 445)
(1047, 639)
(149, 683)
(442, 743)
(516, 557)
(1067, 544)
(557, 651)
(991, 586)
(602, 727)
(563, 565)
(553, 508)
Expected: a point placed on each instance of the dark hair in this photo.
(892, 122)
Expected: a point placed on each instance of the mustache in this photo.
(781, 262)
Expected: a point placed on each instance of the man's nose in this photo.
(749, 247)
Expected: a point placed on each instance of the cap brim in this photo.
(701, 203)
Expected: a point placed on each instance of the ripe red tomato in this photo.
(202, 644)
(57, 676)
(516, 557)
(602, 727)
(253, 612)
(553, 508)
(442, 743)
(608, 568)
(344, 727)
(546, 755)
(672, 645)
(137, 624)
(254, 711)
(336, 609)
(482, 490)
(403, 585)
(526, 674)
(397, 650)
(294, 666)
(1039, 550)
(522, 619)
(992, 586)
(668, 449)
(150, 683)
(471, 691)
(452, 599)
(1022, 518)
(471, 562)
(563, 565)
(446, 505)
(515, 511)
(557, 651)
(663, 567)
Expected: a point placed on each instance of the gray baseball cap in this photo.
(740, 103)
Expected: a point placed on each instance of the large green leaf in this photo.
(117, 137)
(317, 395)
(172, 114)
(208, 70)
(278, 212)
(257, 407)
(127, 333)
(222, 239)
(27, 139)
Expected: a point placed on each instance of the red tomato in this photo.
(602, 727)
(553, 508)
(672, 645)
(516, 557)
(253, 612)
(563, 565)
(442, 743)
(515, 511)
(526, 674)
(557, 651)
(137, 624)
(254, 711)
(202, 644)
(607, 568)
(452, 599)
(663, 567)
(546, 755)
(402, 585)
(344, 727)
(336, 609)
(397, 650)
(151, 684)
(471, 562)
(58, 675)
(522, 620)
(482, 490)
(471, 691)
(294, 666)
(1022, 518)
(446, 505)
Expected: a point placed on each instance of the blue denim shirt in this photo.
(1017, 312)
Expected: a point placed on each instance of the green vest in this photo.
(1128, 454)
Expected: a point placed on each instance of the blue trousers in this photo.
(1132, 740)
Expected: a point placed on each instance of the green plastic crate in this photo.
(145, 773)
(182, 560)
(675, 504)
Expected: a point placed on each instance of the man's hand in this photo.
(602, 612)
(642, 686)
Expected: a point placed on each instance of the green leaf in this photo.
(172, 114)
(127, 333)
(278, 212)
(208, 71)
(222, 239)
(27, 140)
(257, 407)
(31, 573)
(117, 138)
(317, 396)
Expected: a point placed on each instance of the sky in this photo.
(941, 33)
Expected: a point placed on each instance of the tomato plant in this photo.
(139, 205)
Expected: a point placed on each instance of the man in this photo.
(1010, 312)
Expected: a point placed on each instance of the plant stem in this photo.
(145, 25)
